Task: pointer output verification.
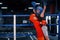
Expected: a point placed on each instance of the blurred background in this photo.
(25, 28)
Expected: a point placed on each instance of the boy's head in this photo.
(39, 9)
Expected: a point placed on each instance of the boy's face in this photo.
(38, 11)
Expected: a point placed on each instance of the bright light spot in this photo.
(11, 10)
(4, 7)
(37, 3)
(30, 7)
(1, 3)
(24, 21)
(57, 28)
(49, 17)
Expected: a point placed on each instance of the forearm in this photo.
(44, 9)
(42, 14)
(34, 11)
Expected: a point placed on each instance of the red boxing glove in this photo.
(43, 22)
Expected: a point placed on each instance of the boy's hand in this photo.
(42, 15)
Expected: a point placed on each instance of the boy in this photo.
(36, 18)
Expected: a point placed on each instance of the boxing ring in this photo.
(15, 34)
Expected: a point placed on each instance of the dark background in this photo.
(20, 5)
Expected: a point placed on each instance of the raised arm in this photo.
(42, 14)
(34, 11)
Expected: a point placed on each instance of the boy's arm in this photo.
(34, 11)
(42, 14)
